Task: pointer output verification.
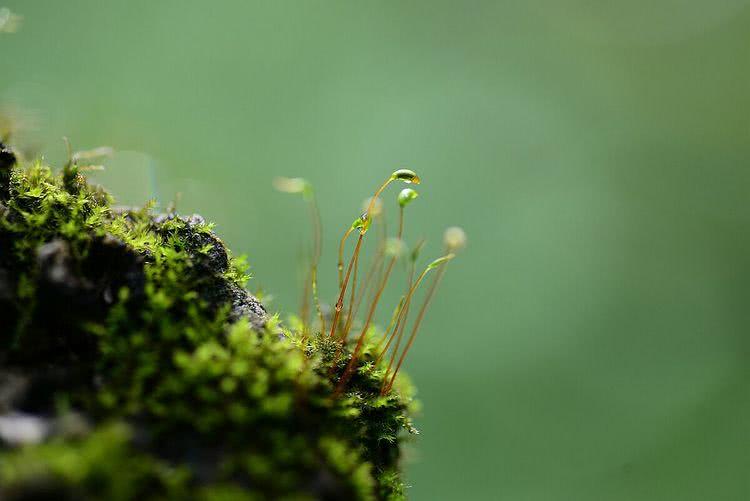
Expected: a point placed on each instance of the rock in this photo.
(7, 157)
(7, 160)
(211, 265)
(12, 388)
(193, 235)
(111, 265)
(56, 267)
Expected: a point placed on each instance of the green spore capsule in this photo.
(406, 196)
(362, 223)
(405, 175)
(440, 260)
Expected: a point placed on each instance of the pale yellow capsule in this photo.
(290, 184)
(454, 238)
(377, 206)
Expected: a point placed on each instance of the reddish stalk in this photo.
(366, 214)
(401, 175)
(367, 284)
(380, 256)
(355, 255)
(305, 304)
(321, 318)
(341, 255)
(358, 347)
(413, 258)
(379, 219)
(350, 316)
(399, 326)
(317, 250)
(396, 314)
(340, 301)
(417, 323)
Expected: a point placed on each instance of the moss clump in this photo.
(140, 328)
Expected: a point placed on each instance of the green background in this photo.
(591, 343)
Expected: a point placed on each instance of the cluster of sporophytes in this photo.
(355, 355)
(134, 364)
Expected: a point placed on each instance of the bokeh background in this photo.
(592, 342)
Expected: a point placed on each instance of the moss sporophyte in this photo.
(392, 250)
(144, 368)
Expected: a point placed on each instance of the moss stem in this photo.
(417, 322)
(399, 326)
(358, 347)
(342, 292)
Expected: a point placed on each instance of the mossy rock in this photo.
(134, 364)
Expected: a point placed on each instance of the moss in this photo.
(101, 466)
(142, 324)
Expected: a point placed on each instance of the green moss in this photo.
(141, 323)
(101, 466)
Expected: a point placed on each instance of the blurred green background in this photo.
(591, 343)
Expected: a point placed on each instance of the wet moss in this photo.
(141, 325)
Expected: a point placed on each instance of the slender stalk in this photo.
(305, 303)
(399, 326)
(402, 304)
(381, 253)
(349, 319)
(396, 314)
(377, 194)
(370, 279)
(355, 255)
(342, 292)
(358, 347)
(341, 256)
(321, 318)
(378, 276)
(348, 232)
(384, 280)
(349, 315)
(417, 322)
(397, 332)
(302, 187)
(317, 230)
(401, 175)
(317, 250)
(377, 258)
(311, 277)
(362, 231)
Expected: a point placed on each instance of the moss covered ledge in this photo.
(134, 364)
